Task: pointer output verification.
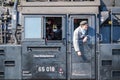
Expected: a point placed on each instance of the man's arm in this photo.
(76, 42)
(85, 39)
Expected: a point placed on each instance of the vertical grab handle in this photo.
(100, 37)
(64, 40)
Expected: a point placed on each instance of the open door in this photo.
(82, 67)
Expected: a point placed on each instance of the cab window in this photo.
(54, 28)
(32, 27)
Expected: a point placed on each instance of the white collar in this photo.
(82, 30)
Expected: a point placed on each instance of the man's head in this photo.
(49, 22)
(84, 25)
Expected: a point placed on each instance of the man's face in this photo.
(49, 22)
(85, 27)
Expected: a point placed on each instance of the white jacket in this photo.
(77, 38)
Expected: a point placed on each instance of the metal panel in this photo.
(2, 57)
(45, 59)
(115, 10)
(83, 67)
(49, 63)
(116, 37)
(106, 34)
(60, 3)
(105, 57)
(106, 2)
(12, 62)
(117, 3)
(59, 10)
(109, 62)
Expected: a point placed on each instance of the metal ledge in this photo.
(59, 10)
(57, 4)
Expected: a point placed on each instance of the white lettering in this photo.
(41, 69)
(46, 69)
(53, 69)
(44, 56)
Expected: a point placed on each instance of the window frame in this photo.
(43, 28)
(82, 16)
(23, 34)
(63, 26)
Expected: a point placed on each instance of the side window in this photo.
(32, 26)
(54, 28)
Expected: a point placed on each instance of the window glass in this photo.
(32, 27)
(53, 28)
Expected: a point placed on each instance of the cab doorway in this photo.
(82, 67)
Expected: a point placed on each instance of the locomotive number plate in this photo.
(46, 69)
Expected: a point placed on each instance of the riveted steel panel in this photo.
(43, 61)
(2, 58)
(109, 65)
(12, 62)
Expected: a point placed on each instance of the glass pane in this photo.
(32, 27)
(54, 28)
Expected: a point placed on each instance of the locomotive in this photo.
(36, 40)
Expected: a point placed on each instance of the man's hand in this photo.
(79, 53)
(85, 39)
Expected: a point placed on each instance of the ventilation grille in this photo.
(116, 74)
(116, 52)
(2, 51)
(43, 48)
(1, 74)
(106, 62)
(9, 63)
